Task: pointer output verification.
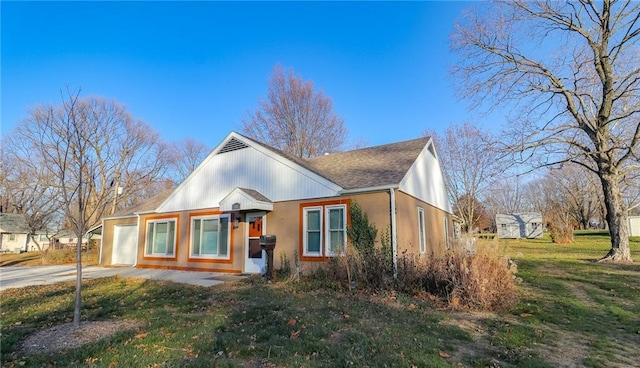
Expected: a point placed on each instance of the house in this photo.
(519, 225)
(244, 189)
(68, 239)
(634, 225)
(16, 237)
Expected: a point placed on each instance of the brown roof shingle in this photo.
(369, 167)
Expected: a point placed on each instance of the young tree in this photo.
(295, 118)
(573, 70)
(88, 148)
(470, 161)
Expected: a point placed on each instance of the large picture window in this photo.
(324, 230)
(210, 236)
(161, 238)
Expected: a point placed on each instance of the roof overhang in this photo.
(240, 199)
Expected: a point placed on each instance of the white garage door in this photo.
(124, 244)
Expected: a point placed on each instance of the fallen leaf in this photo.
(412, 306)
(346, 316)
(526, 315)
(443, 354)
(295, 335)
(292, 322)
(141, 335)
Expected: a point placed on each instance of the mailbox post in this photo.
(268, 243)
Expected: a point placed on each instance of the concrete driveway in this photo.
(15, 277)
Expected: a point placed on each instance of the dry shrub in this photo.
(480, 280)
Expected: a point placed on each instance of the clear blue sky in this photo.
(194, 69)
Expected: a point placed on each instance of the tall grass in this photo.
(479, 280)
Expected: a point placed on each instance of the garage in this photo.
(124, 245)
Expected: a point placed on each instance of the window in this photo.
(210, 236)
(324, 230)
(43, 237)
(421, 231)
(447, 244)
(161, 238)
(12, 237)
(312, 231)
(336, 229)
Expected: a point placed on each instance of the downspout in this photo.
(394, 239)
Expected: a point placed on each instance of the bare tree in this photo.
(470, 161)
(295, 118)
(26, 189)
(573, 69)
(186, 156)
(88, 149)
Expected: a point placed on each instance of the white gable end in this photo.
(425, 181)
(246, 165)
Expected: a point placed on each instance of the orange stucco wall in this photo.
(285, 221)
(107, 237)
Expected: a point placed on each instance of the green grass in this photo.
(571, 312)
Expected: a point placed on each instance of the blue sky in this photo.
(194, 69)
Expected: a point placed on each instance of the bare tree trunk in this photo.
(78, 302)
(617, 221)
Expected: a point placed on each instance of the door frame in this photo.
(247, 260)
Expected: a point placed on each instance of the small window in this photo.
(12, 237)
(210, 236)
(421, 231)
(43, 237)
(447, 243)
(161, 238)
(312, 225)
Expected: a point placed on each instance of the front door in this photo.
(255, 258)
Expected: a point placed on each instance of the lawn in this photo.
(572, 312)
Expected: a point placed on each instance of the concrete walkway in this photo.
(15, 277)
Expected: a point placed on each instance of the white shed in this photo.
(634, 225)
(519, 225)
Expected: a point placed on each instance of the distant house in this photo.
(244, 189)
(519, 225)
(634, 225)
(16, 237)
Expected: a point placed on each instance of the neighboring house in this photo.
(634, 225)
(15, 235)
(245, 189)
(66, 239)
(519, 225)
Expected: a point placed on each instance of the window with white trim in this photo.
(312, 225)
(324, 230)
(161, 238)
(210, 236)
(422, 239)
(336, 229)
(447, 243)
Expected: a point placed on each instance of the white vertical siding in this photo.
(425, 181)
(634, 225)
(256, 168)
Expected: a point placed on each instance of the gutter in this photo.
(379, 188)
